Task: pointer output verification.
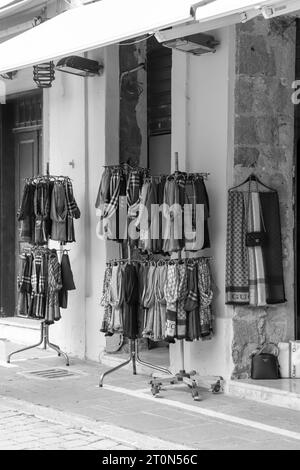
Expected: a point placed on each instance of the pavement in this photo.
(72, 412)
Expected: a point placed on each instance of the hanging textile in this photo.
(157, 219)
(159, 300)
(41, 279)
(254, 274)
(47, 210)
(237, 263)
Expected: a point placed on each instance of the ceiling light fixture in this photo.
(81, 66)
(196, 44)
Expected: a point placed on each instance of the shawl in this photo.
(171, 287)
(192, 304)
(272, 251)
(131, 297)
(149, 301)
(54, 285)
(104, 302)
(172, 217)
(182, 293)
(159, 323)
(237, 263)
(205, 296)
(58, 212)
(116, 298)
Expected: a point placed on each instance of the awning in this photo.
(110, 21)
(91, 26)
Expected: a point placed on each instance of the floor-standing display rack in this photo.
(45, 327)
(191, 379)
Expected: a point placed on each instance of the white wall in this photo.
(83, 126)
(202, 98)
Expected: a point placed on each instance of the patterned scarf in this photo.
(54, 285)
(149, 302)
(237, 263)
(206, 295)
(116, 298)
(171, 295)
(182, 293)
(104, 302)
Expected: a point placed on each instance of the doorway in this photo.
(20, 157)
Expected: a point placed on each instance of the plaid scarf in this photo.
(160, 303)
(192, 304)
(133, 192)
(182, 293)
(38, 285)
(171, 287)
(24, 278)
(149, 302)
(206, 295)
(54, 285)
(72, 206)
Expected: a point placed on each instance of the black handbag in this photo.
(256, 238)
(265, 365)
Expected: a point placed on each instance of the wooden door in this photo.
(20, 157)
(27, 163)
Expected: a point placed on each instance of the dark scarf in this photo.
(272, 251)
(131, 299)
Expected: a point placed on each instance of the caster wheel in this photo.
(155, 390)
(196, 396)
(216, 388)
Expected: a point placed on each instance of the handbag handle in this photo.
(264, 346)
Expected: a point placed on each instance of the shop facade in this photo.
(232, 114)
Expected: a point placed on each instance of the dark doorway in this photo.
(297, 188)
(20, 157)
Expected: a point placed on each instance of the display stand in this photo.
(191, 379)
(45, 341)
(133, 355)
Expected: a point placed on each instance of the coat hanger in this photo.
(252, 177)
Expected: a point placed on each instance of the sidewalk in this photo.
(74, 412)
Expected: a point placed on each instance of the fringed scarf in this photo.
(116, 298)
(205, 296)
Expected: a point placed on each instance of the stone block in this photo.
(245, 131)
(246, 156)
(254, 56)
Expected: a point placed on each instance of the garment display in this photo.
(172, 299)
(40, 282)
(254, 274)
(165, 213)
(47, 210)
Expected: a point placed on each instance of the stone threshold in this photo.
(284, 393)
(19, 322)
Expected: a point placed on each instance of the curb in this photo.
(122, 435)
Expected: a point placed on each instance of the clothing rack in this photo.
(133, 352)
(45, 326)
(134, 357)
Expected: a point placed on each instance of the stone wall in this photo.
(264, 143)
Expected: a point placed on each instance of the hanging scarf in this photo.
(192, 303)
(160, 303)
(54, 285)
(24, 285)
(58, 212)
(182, 293)
(272, 251)
(205, 295)
(116, 297)
(149, 302)
(237, 263)
(257, 282)
(171, 295)
(104, 302)
(131, 297)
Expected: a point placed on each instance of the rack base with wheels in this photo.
(44, 339)
(196, 383)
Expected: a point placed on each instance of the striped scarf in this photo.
(257, 281)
